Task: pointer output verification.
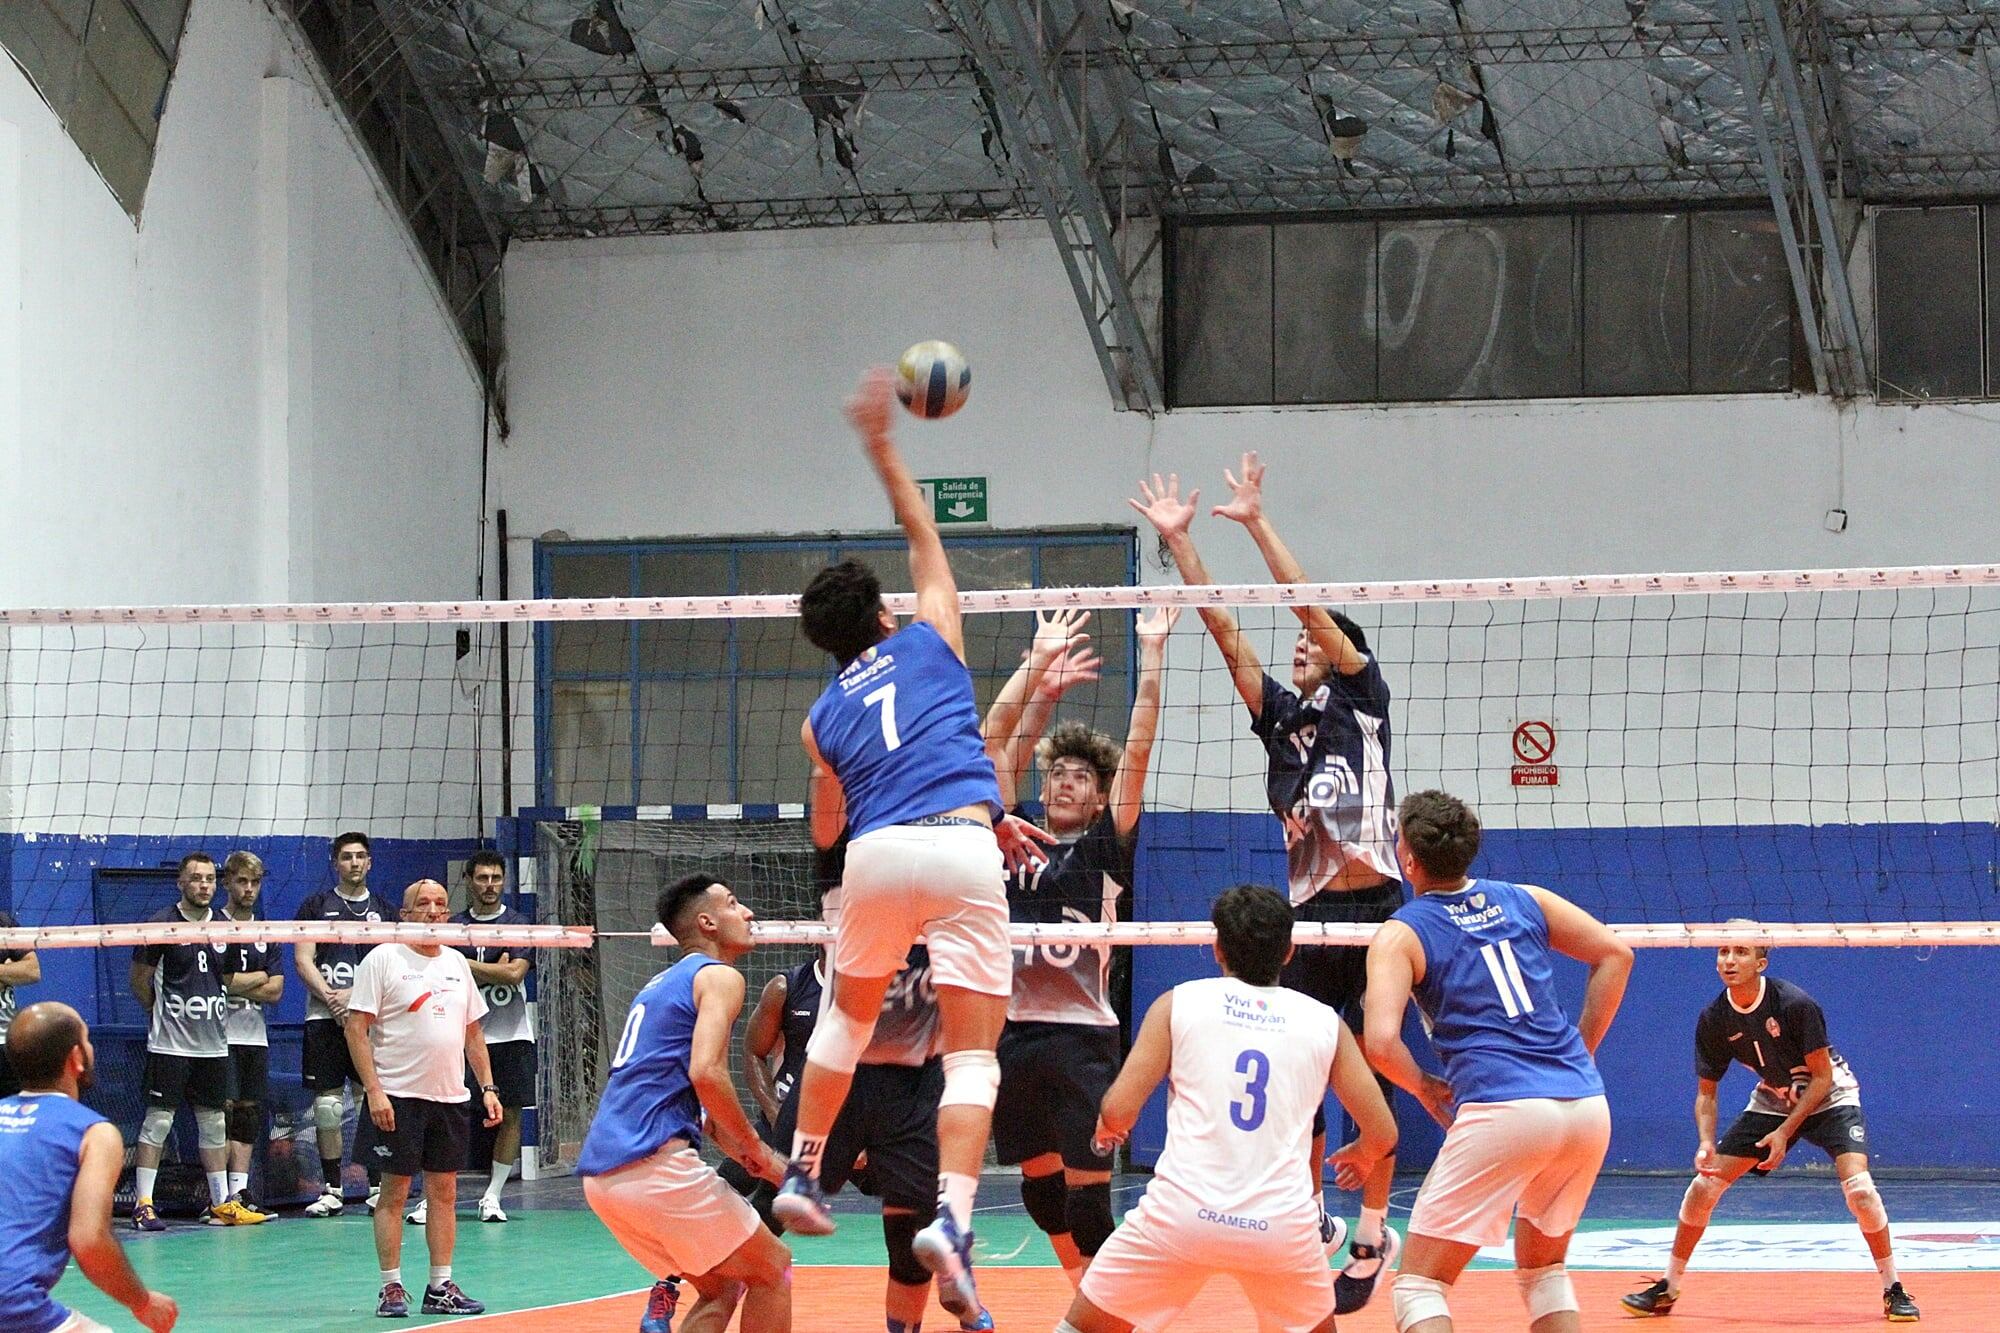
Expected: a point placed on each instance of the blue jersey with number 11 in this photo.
(1489, 996)
(899, 728)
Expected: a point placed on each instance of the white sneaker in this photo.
(491, 1211)
(327, 1204)
(374, 1198)
(419, 1216)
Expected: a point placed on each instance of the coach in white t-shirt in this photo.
(413, 1024)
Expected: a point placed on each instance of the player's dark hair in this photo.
(1253, 928)
(348, 839)
(190, 859)
(478, 859)
(1441, 831)
(38, 1047)
(682, 899)
(1351, 630)
(840, 610)
(1078, 740)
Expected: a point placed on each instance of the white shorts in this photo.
(943, 882)
(1141, 1277)
(1538, 1157)
(77, 1323)
(671, 1212)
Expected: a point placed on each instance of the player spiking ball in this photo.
(897, 734)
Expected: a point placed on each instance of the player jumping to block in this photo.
(1804, 1091)
(1248, 1063)
(1522, 1102)
(897, 731)
(641, 1166)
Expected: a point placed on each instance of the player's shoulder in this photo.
(312, 905)
(1786, 995)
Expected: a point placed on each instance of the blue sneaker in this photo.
(395, 1302)
(661, 1302)
(982, 1324)
(947, 1252)
(802, 1207)
(446, 1298)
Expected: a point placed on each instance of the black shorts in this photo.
(1336, 975)
(325, 1064)
(891, 1114)
(249, 1073)
(513, 1074)
(172, 1079)
(1053, 1077)
(9, 1085)
(429, 1136)
(1836, 1130)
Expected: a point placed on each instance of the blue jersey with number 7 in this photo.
(1489, 996)
(899, 728)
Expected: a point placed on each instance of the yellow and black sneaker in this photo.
(231, 1213)
(1897, 1307)
(1654, 1300)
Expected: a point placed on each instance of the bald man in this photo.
(412, 1027)
(59, 1163)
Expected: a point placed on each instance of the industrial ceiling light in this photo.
(1344, 135)
(599, 29)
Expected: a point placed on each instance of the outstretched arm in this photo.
(870, 410)
(1246, 506)
(1580, 935)
(1130, 783)
(1152, 1053)
(1057, 639)
(1170, 516)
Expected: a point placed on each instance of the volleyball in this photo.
(932, 380)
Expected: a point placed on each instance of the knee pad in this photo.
(838, 1041)
(1698, 1204)
(210, 1127)
(1046, 1199)
(1864, 1202)
(1419, 1298)
(899, 1233)
(971, 1078)
(246, 1121)
(1090, 1221)
(1546, 1291)
(159, 1122)
(326, 1111)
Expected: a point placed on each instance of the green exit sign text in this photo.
(956, 499)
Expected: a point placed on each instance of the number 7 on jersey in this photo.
(886, 696)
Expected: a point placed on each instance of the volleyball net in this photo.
(1817, 752)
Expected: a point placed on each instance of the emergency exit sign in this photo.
(956, 499)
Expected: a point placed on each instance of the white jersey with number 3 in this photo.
(1250, 1065)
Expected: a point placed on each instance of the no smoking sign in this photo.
(1534, 747)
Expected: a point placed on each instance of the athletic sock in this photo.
(501, 1170)
(238, 1182)
(1372, 1221)
(956, 1192)
(218, 1188)
(146, 1175)
(1676, 1268)
(440, 1274)
(806, 1150)
(1886, 1266)
(391, 1275)
(329, 1172)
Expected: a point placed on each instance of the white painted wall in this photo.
(691, 386)
(255, 394)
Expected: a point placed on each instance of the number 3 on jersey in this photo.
(886, 696)
(1248, 1114)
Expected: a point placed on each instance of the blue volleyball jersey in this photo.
(649, 1097)
(898, 726)
(41, 1142)
(1489, 996)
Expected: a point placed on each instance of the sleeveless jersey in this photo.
(41, 1141)
(1328, 766)
(1489, 996)
(649, 1097)
(244, 1025)
(803, 993)
(1087, 878)
(507, 1016)
(1250, 1066)
(1772, 1038)
(336, 962)
(189, 1003)
(900, 729)
(7, 1001)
